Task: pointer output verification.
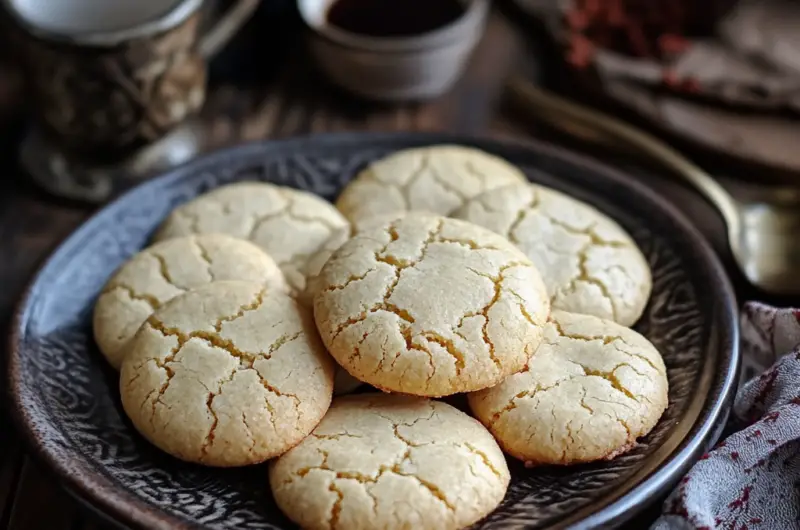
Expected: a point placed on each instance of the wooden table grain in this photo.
(297, 101)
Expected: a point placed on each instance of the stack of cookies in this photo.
(440, 271)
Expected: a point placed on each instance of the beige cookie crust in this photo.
(430, 306)
(289, 224)
(320, 258)
(436, 180)
(229, 374)
(589, 263)
(590, 391)
(165, 270)
(391, 462)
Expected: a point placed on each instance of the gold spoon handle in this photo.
(589, 124)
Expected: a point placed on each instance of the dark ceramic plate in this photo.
(66, 399)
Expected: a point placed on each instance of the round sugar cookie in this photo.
(161, 272)
(391, 462)
(289, 224)
(229, 374)
(436, 180)
(588, 393)
(430, 306)
(589, 263)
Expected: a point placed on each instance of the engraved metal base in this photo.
(75, 180)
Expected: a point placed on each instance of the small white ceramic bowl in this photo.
(391, 68)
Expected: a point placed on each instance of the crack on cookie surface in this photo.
(405, 189)
(336, 509)
(150, 300)
(525, 394)
(446, 185)
(209, 439)
(334, 436)
(497, 282)
(612, 379)
(586, 277)
(660, 370)
(257, 302)
(522, 213)
(202, 253)
(352, 279)
(469, 166)
(163, 269)
(474, 450)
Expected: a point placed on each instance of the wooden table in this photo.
(296, 102)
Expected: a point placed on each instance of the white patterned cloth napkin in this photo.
(751, 479)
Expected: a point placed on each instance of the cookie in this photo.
(590, 391)
(229, 374)
(289, 224)
(167, 269)
(391, 462)
(435, 180)
(430, 306)
(589, 263)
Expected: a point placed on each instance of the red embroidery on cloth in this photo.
(755, 434)
(771, 417)
(743, 501)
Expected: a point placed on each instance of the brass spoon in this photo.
(764, 236)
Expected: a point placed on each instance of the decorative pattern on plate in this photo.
(68, 402)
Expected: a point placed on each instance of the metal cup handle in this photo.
(227, 26)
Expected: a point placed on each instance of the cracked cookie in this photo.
(437, 180)
(228, 374)
(430, 306)
(167, 269)
(589, 263)
(291, 225)
(590, 391)
(391, 462)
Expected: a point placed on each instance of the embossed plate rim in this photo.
(86, 481)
